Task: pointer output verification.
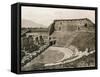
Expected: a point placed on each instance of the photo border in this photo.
(61, 7)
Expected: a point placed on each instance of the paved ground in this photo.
(67, 52)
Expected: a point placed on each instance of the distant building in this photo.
(33, 36)
(38, 34)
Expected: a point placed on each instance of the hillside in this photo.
(31, 24)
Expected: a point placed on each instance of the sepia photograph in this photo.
(57, 38)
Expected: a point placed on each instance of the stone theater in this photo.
(60, 32)
(65, 40)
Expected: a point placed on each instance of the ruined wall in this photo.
(72, 25)
(38, 34)
(63, 30)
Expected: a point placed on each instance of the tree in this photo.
(22, 54)
(31, 42)
(41, 40)
(51, 28)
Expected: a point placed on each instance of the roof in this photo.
(70, 19)
(39, 30)
(30, 30)
(73, 20)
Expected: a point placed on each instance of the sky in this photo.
(46, 16)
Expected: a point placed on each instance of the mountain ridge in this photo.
(31, 24)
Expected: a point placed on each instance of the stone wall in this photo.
(38, 34)
(62, 29)
(72, 25)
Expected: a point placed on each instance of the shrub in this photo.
(22, 54)
(33, 48)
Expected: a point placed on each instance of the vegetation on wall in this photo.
(51, 28)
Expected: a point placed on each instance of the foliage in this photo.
(51, 28)
(22, 54)
(33, 48)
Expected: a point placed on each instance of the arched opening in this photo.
(85, 25)
(59, 28)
